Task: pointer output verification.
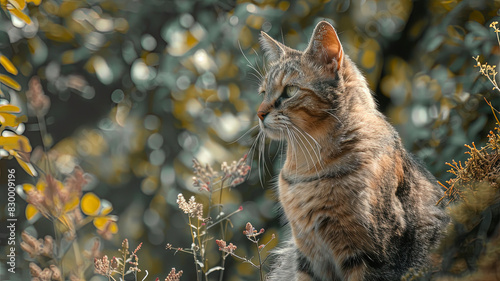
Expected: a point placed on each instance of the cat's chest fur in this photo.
(328, 222)
(312, 206)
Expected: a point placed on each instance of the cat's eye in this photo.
(291, 90)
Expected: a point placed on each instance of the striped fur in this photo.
(358, 205)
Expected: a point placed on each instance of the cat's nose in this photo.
(262, 114)
(263, 110)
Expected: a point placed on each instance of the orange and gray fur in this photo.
(358, 205)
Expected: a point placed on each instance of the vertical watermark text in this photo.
(11, 220)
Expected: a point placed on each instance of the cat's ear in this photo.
(272, 48)
(325, 44)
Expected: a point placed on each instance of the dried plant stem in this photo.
(193, 246)
(196, 265)
(198, 232)
(222, 230)
(43, 134)
(260, 260)
(489, 70)
(58, 243)
(43, 131)
(492, 108)
(495, 86)
(496, 33)
(223, 262)
(222, 219)
(498, 40)
(245, 260)
(206, 179)
(124, 258)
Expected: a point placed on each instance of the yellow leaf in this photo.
(7, 64)
(10, 120)
(100, 222)
(28, 167)
(68, 57)
(22, 118)
(368, 59)
(36, 2)
(57, 32)
(41, 185)
(10, 82)
(191, 40)
(67, 7)
(31, 212)
(9, 108)
(28, 187)
(67, 222)
(113, 228)
(22, 16)
(18, 4)
(90, 204)
(71, 204)
(19, 143)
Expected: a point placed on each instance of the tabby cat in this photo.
(359, 206)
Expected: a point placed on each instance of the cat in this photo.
(358, 205)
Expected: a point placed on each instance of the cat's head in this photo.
(300, 87)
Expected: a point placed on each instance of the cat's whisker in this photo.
(263, 154)
(257, 63)
(316, 151)
(334, 116)
(304, 132)
(293, 150)
(312, 138)
(259, 146)
(252, 149)
(264, 64)
(307, 153)
(249, 63)
(269, 148)
(278, 150)
(248, 131)
(298, 140)
(263, 60)
(259, 79)
(306, 135)
(262, 148)
(292, 142)
(257, 72)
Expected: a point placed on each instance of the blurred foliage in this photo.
(139, 88)
(470, 249)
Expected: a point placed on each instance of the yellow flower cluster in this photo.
(11, 143)
(59, 201)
